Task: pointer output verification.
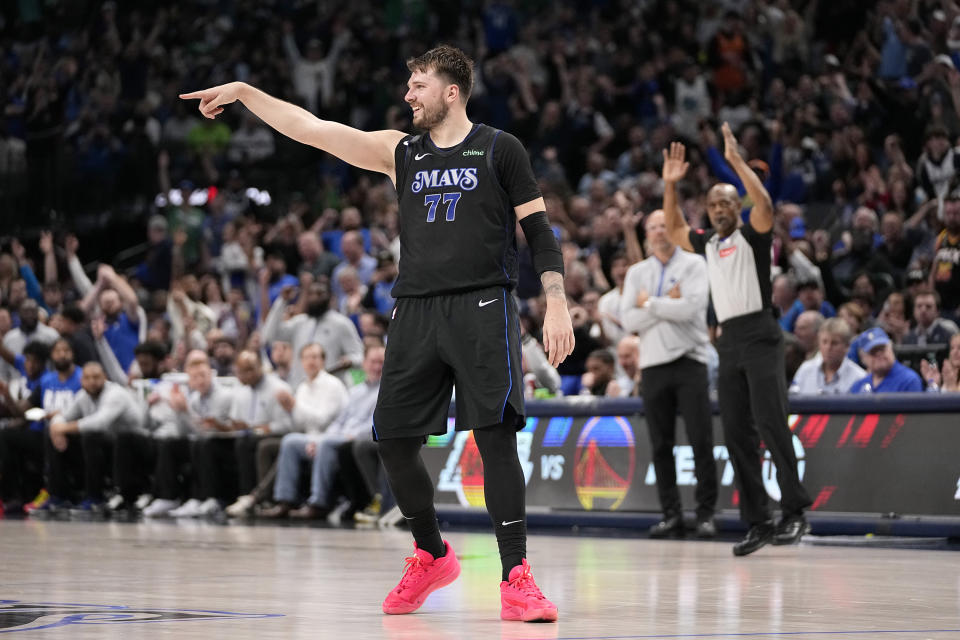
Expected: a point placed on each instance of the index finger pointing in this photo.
(191, 96)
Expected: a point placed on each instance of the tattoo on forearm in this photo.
(553, 284)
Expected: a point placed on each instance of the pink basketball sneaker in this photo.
(520, 598)
(423, 576)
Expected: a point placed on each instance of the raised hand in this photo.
(930, 373)
(674, 165)
(212, 100)
(18, 250)
(71, 244)
(949, 376)
(178, 401)
(731, 148)
(97, 327)
(46, 242)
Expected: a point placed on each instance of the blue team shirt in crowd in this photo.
(52, 394)
(900, 378)
(123, 337)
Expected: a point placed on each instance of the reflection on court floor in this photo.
(199, 580)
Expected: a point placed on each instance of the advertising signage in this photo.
(880, 463)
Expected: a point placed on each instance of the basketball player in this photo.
(751, 385)
(461, 187)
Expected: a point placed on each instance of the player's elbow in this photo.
(764, 205)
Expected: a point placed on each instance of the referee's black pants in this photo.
(681, 384)
(752, 390)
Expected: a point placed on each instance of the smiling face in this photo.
(429, 96)
(440, 80)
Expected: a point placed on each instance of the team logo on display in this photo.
(465, 179)
(604, 463)
(33, 616)
(463, 472)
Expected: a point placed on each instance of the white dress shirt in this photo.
(318, 402)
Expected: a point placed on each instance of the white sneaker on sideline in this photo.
(189, 509)
(160, 508)
(242, 507)
(392, 518)
(336, 516)
(143, 501)
(209, 507)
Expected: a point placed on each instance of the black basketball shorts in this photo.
(471, 340)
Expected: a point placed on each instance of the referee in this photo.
(665, 303)
(751, 385)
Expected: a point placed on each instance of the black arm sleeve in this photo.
(514, 171)
(543, 244)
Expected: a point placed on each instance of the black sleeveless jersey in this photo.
(457, 224)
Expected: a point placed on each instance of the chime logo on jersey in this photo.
(465, 179)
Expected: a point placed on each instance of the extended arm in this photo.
(674, 169)
(761, 215)
(49, 257)
(127, 295)
(367, 150)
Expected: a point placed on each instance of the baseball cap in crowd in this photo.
(945, 60)
(760, 167)
(915, 277)
(873, 338)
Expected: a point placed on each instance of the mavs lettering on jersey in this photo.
(466, 179)
(57, 399)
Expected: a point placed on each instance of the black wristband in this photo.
(543, 244)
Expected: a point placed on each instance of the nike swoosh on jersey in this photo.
(483, 304)
(504, 524)
(421, 156)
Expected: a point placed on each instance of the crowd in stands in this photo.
(244, 334)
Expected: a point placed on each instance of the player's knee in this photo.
(396, 452)
(497, 440)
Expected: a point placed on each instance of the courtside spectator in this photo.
(830, 371)
(884, 373)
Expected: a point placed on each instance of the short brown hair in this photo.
(449, 62)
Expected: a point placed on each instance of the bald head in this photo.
(196, 357)
(93, 379)
(249, 368)
(724, 190)
(628, 354)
